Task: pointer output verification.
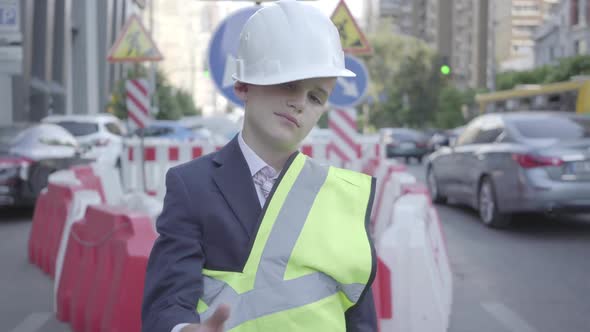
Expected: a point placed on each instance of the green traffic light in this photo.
(206, 73)
(445, 70)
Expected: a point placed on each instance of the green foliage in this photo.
(563, 71)
(186, 103)
(406, 72)
(172, 103)
(450, 101)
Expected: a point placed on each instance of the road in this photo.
(532, 277)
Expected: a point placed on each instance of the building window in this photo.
(574, 12)
(580, 47)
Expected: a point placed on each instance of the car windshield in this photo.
(155, 131)
(553, 127)
(7, 134)
(406, 135)
(78, 128)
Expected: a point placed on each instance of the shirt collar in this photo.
(255, 163)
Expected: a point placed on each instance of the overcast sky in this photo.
(327, 6)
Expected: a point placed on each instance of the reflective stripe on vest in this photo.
(272, 294)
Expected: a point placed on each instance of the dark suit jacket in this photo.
(210, 219)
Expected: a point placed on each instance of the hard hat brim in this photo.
(291, 77)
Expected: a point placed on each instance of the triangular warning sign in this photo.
(134, 44)
(353, 39)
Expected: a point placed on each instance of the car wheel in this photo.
(433, 187)
(38, 178)
(488, 208)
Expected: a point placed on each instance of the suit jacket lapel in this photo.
(233, 178)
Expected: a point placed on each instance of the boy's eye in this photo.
(315, 99)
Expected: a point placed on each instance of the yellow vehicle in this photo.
(565, 96)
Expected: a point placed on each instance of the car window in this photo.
(9, 134)
(46, 135)
(487, 136)
(556, 127)
(156, 131)
(114, 128)
(78, 128)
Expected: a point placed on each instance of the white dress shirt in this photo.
(255, 164)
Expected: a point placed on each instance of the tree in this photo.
(172, 103)
(449, 113)
(563, 71)
(186, 103)
(401, 69)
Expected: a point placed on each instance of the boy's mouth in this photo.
(288, 117)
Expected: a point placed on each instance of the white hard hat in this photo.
(289, 41)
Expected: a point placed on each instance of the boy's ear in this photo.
(241, 90)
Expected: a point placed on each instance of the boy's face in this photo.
(282, 115)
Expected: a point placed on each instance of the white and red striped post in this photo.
(138, 102)
(344, 150)
(138, 110)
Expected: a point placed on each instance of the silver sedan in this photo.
(509, 163)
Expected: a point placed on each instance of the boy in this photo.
(258, 237)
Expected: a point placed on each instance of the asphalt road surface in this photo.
(532, 277)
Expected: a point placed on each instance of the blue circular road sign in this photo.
(223, 49)
(350, 91)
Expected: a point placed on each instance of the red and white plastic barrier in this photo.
(101, 287)
(97, 238)
(413, 285)
(414, 251)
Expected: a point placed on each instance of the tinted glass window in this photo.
(487, 136)
(77, 128)
(156, 131)
(8, 134)
(44, 135)
(557, 127)
(114, 129)
(405, 135)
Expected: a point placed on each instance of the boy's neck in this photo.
(272, 156)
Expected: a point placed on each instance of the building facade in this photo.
(63, 67)
(516, 22)
(470, 35)
(182, 31)
(565, 32)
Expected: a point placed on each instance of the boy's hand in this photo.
(213, 324)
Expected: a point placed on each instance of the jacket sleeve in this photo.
(362, 317)
(173, 281)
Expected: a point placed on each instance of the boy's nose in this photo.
(297, 102)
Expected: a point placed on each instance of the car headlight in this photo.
(24, 171)
(8, 171)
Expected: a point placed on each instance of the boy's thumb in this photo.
(219, 317)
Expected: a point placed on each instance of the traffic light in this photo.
(444, 65)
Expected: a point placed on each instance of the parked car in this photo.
(28, 154)
(404, 142)
(509, 163)
(444, 138)
(168, 129)
(100, 135)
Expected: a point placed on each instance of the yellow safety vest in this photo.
(312, 258)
